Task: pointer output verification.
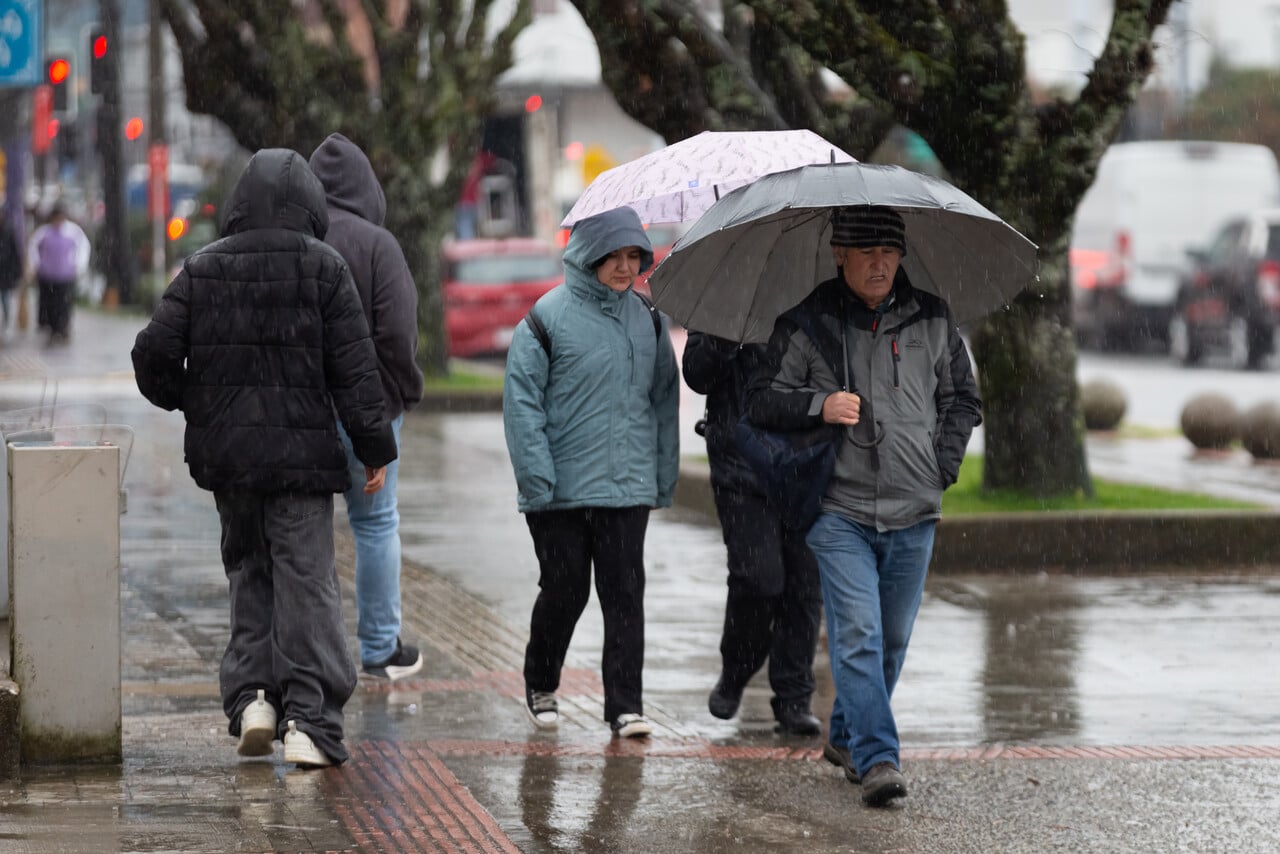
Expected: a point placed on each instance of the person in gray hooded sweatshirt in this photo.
(357, 207)
(258, 339)
(592, 429)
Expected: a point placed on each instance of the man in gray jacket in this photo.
(357, 207)
(907, 417)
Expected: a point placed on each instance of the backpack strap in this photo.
(539, 329)
(653, 313)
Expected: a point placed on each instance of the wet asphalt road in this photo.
(1038, 713)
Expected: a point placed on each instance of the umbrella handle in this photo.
(866, 446)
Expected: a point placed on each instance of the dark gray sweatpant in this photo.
(287, 632)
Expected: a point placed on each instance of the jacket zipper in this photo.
(897, 357)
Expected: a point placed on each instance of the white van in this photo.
(1150, 203)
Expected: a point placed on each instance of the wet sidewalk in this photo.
(1038, 712)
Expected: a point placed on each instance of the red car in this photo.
(489, 286)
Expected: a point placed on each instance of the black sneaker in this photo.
(724, 701)
(405, 661)
(882, 784)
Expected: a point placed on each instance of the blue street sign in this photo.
(21, 40)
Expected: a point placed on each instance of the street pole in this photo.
(157, 152)
(115, 231)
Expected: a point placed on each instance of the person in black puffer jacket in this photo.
(258, 339)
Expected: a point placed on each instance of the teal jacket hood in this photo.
(595, 237)
(593, 420)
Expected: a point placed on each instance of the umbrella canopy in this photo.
(680, 182)
(762, 248)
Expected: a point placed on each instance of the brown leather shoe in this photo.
(882, 784)
(839, 757)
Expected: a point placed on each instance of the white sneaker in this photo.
(631, 726)
(543, 709)
(302, 751)
(257, 727)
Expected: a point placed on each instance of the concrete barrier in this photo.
(64, 577)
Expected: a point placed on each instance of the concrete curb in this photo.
(1081, 543)
(454, 400)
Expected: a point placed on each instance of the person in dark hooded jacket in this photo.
(258, 339)
(774, 603)
(357, 207)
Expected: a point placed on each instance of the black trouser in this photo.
(54, 310)
(287, 632)
(775, 599)
(568, 543)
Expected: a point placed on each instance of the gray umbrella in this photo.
(762, 248)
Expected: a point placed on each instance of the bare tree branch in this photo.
(954, 72)
(285, 79)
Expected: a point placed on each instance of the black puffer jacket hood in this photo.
(260, 338)
(277, 189)
(348, 178)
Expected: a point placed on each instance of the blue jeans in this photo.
(375, 525)
(872, 583)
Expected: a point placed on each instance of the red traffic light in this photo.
(98, 71)
(59, 71)
(133, 128)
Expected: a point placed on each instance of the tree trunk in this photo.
(1026, 363)
(420, 238)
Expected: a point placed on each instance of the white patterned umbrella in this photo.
(762, 249)
(680, 182)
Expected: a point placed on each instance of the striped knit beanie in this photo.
(864, 226)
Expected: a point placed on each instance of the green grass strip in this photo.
(967, 496)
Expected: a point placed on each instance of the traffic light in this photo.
(59, 76)
(97, 60)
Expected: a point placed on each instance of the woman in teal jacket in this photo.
(592, 426)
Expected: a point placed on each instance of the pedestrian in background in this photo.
(59, 255)
(10, 266)
(357, 207)
(258, 339)
(905, 432)
(592, 427)
(774, 603)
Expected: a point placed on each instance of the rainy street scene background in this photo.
(1052, 703)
